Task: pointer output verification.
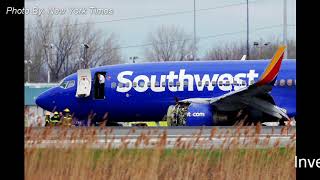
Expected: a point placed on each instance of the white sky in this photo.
(262, 13)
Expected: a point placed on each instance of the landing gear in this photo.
(282, 122)
(254, 117)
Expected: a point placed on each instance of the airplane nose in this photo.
(46, 100)
(40, 101)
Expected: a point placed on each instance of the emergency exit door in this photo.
(84, 83)
(99, 85)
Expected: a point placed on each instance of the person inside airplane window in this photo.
(101, 79)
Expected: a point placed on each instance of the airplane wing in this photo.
(249, 96)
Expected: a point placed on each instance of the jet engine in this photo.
(193, 115)
(200, 115)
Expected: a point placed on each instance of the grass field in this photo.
(82, 162)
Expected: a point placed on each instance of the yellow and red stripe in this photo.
(273, 68)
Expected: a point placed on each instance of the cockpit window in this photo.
(67, 84)
(63, 84)
(70, 84)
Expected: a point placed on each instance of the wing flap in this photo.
(265, 107)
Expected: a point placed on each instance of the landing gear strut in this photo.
(281, 122)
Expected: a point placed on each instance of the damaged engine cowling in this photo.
(193, 115)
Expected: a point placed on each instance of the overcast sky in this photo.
(218, 19)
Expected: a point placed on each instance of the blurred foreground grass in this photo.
(81, 161)
(159, 163)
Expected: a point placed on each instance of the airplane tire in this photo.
(281, 122)
(254, 117)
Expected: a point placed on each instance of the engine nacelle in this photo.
(200, 115)
(195, 115)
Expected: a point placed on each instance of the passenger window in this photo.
(135, 84)
(185, 83)
(141, 84)
(157, 84)
(178, 84)
(227, 83)
(199, 83)
(113, 85)
(149, 84)
(127, 85)
(282, 82)
(289, 82)
(171, 84)
(214, 83)
(163, 84)
(120, 85)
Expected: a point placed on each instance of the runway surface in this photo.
(169, 137)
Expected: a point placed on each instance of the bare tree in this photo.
(264, 50)
(103, 50)
(226, 52)
(33, 52)
(110, 51)
(107, 52)
(27, 49)
(57, 47)
(169, 43)
(91, 37)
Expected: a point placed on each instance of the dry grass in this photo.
(80, 161)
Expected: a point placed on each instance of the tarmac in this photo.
(167, 137)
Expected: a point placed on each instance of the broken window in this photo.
(99, 82)
(135, 84)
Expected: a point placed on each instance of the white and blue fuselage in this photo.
(143, 92)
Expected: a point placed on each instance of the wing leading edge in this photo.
(249, 96)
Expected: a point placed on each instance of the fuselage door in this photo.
(84, 83)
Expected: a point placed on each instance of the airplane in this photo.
(184, 93)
